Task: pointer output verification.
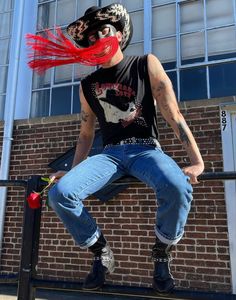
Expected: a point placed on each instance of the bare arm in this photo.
(163, 93)
(87, 129)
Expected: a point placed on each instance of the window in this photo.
(194, 39)
(6, 13)
(56, 92)
(196, 45)
(222, 79)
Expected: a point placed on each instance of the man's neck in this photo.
(114, 60)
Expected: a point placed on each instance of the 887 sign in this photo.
(223, 120)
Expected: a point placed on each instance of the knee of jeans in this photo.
(182, 193)
(59, 194)
(53, 195)
(178, 191)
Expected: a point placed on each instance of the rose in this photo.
(34, 198)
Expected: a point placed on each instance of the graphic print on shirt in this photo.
(119, 104)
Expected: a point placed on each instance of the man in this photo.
(123, 94)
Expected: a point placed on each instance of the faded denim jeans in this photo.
(147, 163)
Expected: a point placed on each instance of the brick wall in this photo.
(201, 259)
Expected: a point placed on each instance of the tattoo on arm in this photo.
(84, 116)
(183, 135)
(159, 89)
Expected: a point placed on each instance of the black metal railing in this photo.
(30, 237)
(28, 281)
(13, 183)
(205, 176)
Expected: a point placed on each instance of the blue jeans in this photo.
(147, 163)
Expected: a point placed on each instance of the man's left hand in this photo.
(193, 172)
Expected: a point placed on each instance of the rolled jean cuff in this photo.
(166, 240)
(92, 240)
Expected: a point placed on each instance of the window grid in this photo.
(52, 84)
(206, 63)
(5, 64)
(74, 80)
(53, 69)
(178, 51)
(142, 40)
(206, 50)
(147, 40)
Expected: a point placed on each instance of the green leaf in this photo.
(47, 179)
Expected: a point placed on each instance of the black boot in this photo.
(163, 281)
(103, 263)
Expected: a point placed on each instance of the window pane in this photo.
(193, 84)
(4, 51)
(158, 2)
(159, 25)
(137, 20)
(42, 81)
(63, 74)
(6, 5)
(222, 80)
(219, 12)
(2, 106)
(134, 49)
(61, 101)
(46, 15)
(169, 65)
(221, 40)
(191, 16)
(129, 5)
(84, 5)
(76, 100)
(192, 46)
(165, 49)
(132, 5)
(65, 11)
(3, 81)
(81, 71)
(106, 2)
(40, 104)
(173, 78)
(5, 24)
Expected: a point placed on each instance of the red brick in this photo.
(201, 258)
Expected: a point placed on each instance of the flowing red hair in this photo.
(56, 50)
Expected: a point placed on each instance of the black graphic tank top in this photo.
(122, 100)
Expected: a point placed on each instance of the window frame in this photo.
(206, 63)
(25, 75)
(74, 81)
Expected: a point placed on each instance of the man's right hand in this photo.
(56, 176)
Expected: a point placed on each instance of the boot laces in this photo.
(161, 252)
(107, 258)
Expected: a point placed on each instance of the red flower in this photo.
(34, 200)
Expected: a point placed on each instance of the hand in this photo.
(56, 176)
(193, 172)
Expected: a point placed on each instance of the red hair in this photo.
(57, 50)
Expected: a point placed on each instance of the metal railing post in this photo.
(30, 244)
